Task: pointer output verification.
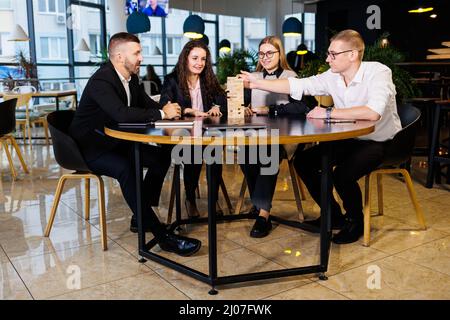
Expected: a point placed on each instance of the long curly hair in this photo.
(208, 79)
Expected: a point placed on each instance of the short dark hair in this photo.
(120, 38)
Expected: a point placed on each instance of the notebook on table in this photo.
(159, 124)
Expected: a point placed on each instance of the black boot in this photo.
(351, 232)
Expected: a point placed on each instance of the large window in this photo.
(14, 12)
(94, 44)
(52, 6)
(58, 31)
(174, 30)
(310, 31)
(53, 48)
(308, 37)
(230, 28)
(2, 38)
(50, 32)
(5, 4)
(254, 32)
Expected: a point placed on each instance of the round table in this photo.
(278, 130)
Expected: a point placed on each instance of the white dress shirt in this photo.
(372, 87)
(126, 86)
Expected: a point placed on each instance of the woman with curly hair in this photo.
(194, 86)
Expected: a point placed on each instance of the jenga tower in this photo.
(235, 97)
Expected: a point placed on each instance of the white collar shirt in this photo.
(372, 86)
(126, 86)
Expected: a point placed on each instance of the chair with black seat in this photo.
(436, 158)
(397, 154)
(68, 156)
(7, 126)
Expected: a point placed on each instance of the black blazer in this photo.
(103, 102)
(172, 92)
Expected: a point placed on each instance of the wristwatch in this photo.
(328, 112)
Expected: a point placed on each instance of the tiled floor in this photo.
(402, 262)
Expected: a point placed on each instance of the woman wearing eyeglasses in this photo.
(194, 86)
(272, 64)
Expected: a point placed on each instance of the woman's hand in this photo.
(249, 79)
(214, 111)
(195, 113)
(248, 111)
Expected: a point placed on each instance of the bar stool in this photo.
(434, 159)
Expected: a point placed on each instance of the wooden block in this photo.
(235, 97)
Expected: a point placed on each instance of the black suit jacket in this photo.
(172, 92)
(104, 102)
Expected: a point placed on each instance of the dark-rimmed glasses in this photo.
(268, 54)
(334, 54)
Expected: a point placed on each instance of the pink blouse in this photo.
(196, 96)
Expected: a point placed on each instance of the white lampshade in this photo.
(82, 46)
(18, 34)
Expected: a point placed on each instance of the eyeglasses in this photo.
(268, 54)
(334, 54)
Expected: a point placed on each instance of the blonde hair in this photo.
(353, 38)
(276, 42)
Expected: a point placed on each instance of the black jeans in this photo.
(261, 187)
(119, 164)
(352, 159)
(191, 175)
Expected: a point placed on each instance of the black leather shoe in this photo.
(191, 209)
(134, 226)
(336, 223)
(180, 245)
(261, 228)
(351, 232)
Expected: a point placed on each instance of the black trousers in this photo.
(191, 175)
(352, 159)
(119, 164)
(261, 187)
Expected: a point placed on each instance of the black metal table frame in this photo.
(212, 278)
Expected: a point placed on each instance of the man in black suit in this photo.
(113, 95)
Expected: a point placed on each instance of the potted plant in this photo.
(229, 65)
(386, 55)
(27, 66)
(390, 56)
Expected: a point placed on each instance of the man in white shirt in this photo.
(362, 91)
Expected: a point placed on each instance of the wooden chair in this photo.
(397, 153)
(7, 125)
(26, 117)
(69, 157)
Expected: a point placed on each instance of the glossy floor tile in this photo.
(402, 261)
